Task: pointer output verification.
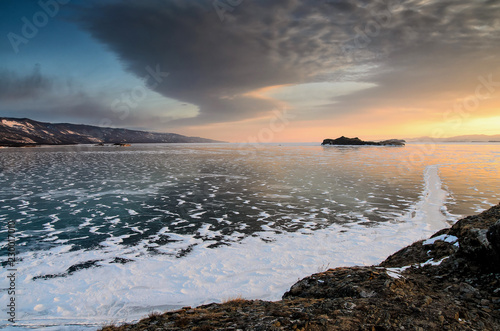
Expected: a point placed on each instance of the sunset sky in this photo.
(255, 70)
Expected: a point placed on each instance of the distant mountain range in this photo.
(26, 132)
(466, 138)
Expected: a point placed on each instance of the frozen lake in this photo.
(110, 234)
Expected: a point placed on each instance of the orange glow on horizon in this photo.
(364, 126)
(436, 119)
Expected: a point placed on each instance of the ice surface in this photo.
(116, 292)
(429, 208)
(119, 292)
(109, 236)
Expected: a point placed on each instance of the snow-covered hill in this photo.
(24, 131)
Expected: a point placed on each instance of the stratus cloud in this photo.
(15, 87)
(216, 64)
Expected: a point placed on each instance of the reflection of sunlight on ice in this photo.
(472, 176)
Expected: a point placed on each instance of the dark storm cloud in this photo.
(14, 86)
(213, 63)
(449, 46)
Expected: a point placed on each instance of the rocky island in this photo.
(357, 142)
(450, 281)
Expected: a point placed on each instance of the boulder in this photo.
(493, 236)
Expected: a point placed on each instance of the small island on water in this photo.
(344, 141)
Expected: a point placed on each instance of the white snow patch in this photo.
(396, 272)
(39, 307)
(11, 123)
(429, 210)
(132, 212)
(126, 292)
(444, 237)
(433, 263)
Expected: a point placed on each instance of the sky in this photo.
(255, 70)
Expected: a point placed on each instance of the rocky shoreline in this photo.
(25, 132)
(448, 282)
